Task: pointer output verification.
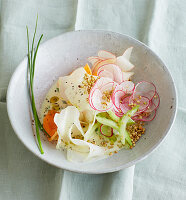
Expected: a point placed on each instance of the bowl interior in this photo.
(58, 57)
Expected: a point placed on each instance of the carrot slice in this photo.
(48, 122)
(87, 69)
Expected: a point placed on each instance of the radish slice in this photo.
(102, 62)
(142, 101)
(96, 100)
(127, 75)
(102, 81)
(146, 89)
(156, 100)
(117, 111)
(128, 86)
(105, 73)
(114, 69)
(127, 53)
(124, 64)
(124, 106)
(105, 54)
(151, 107)
(108, 86)
(116, 98)
(145, 116)
(106, 130)
(97, 103)
(94, 59)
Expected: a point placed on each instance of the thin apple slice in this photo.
(94, 59)
(114, 69)
(106, 54)
(124, 64)
(127, 75)
(127, 53)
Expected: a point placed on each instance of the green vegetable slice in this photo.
(108, 122)
(123, 123)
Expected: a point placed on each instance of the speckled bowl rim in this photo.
(129, 164)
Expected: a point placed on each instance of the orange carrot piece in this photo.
(48, 122)
(87, 69)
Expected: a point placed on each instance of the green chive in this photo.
(31, 66)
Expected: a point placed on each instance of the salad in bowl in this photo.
(97, 110)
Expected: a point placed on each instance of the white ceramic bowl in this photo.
(58, 57)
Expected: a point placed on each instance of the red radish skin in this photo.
(143, 88)
(128, 86)
(144, 118)
(104, 134)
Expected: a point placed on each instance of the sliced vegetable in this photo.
(107, 122)
(100, 63)
(113, 116)
(123, 123)
(142, 101)
(114, 70)
(94, 59)
(145, 116)
(48, 122)
(127, 53)
(124, 64)
(106, 54)
(87, 69)
(105, 73)
(145, 89)
(106, 130)
(127, 75)
(127, 86)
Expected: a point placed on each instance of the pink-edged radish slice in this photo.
(151, 107)
(156, 100)
(106, 54)
(146, 117)
(124, 64)
(124, 105)
(127, 53)
(119, 114)
(96, 96)
(100, 82)
(142, 101)
(106, 130)
(97, 103)
(105, 73)
(108, 87)
(114, 69)
(128, 86)
(102, 62)
(117, 111)
(146, 89)
(117, 98)
(127, 75)
(94, 59)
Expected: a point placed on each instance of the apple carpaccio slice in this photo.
(127, 75)
(127, 53)
(106, 54)
(94, 59)
(114, 69)
(124, 64)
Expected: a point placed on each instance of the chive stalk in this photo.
(31, 66)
